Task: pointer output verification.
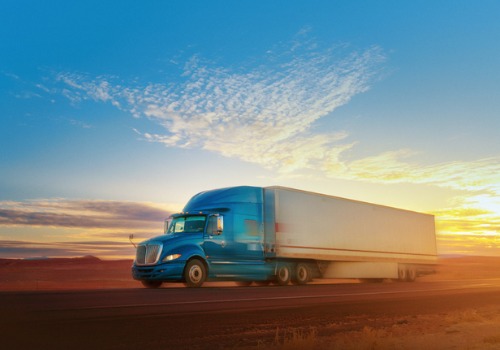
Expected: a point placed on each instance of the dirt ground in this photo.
(462, 329)
(459, 329)
(65, 274)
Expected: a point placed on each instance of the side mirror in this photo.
(165, 226)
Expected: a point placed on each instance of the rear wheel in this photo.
(302, 274)
(411, 274)
(283, 274)
(402, 274)
(152, 284)
(195, 273)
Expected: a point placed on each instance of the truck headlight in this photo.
(171, 257)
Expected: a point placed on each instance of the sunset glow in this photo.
(109, 127)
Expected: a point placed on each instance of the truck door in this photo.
(217, 248)
(237, 252)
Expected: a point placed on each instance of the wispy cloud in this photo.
(80, 124)
(469, 243)
(473, 214)
(82, 214)
(60, 227)
(263, 115)
(110, 249)
(397, 167)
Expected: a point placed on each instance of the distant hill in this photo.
(46, 261)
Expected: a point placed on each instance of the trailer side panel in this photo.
(315, 226)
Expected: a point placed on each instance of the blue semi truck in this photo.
(281, 235)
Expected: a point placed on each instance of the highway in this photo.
(217, 317)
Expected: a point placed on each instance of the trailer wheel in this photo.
(411, 274)
(151, 284)
(283, 274)
(195, 273)
(402, 274)
(302, 274)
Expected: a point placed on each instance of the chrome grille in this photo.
(148, 254)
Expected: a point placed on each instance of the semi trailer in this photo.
(281, 235)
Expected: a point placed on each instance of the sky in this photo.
(113, 114)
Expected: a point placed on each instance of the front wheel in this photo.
(195, 273)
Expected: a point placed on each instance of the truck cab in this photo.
(218, 236)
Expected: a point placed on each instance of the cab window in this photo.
(187, 224)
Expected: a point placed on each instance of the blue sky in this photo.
(114, 114)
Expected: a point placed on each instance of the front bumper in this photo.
(172, 271)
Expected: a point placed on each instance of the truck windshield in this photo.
(187, 224)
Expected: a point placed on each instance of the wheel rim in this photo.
(283, 273)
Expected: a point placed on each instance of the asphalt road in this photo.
(217, 317)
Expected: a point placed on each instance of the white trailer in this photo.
(351, 239)
(278, 235)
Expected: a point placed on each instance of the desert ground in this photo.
(467, 327)
(65, 274)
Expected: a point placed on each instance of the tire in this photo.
(302, 274)
(411, 274)
(402, 274)
(195, 273)
(283, 274)
(152, 284)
